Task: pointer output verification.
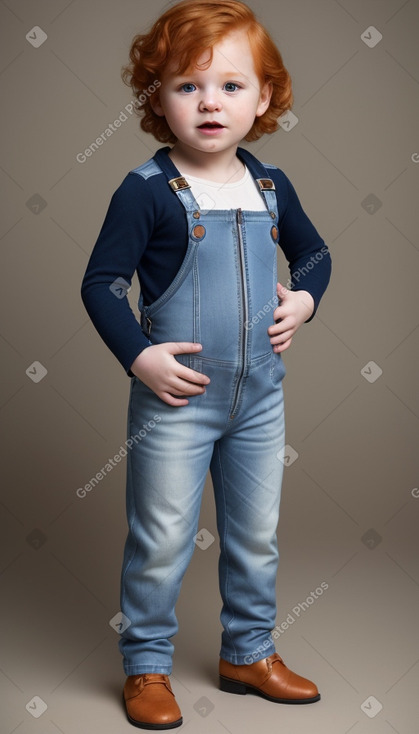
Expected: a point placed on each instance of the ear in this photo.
(264, 99)
(156, 104)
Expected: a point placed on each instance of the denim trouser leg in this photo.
(166, 475)
(247, 478)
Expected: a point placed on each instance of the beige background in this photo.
(350, 500)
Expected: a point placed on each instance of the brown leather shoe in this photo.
(150, 702)
(269, 678)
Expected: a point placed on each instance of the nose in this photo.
(210, 101)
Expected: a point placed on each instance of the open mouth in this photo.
(211, 126)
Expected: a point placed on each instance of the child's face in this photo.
(228, 94)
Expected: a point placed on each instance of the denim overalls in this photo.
(223, 296)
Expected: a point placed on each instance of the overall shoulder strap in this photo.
(263, 180)
(176, 181)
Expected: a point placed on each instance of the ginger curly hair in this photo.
(182, 33)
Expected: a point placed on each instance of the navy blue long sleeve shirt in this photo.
(145, 231)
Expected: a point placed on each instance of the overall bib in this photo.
(223, 297)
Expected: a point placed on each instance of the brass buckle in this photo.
(266, 184)
(179, 183)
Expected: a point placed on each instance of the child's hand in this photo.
(162, 373)
(296, 307)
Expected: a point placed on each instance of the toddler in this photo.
(200, 223)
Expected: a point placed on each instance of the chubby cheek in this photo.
(177, 103)
(245, 116)
(181, 115)
(178, 117)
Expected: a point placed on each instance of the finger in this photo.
(186, 388)
(172, 400)
(284, 324)
(278, 348)
(189, 375)
(281, 290)
(281, 338)
(276, 328)
(184, 347)
(277, 314)
(283, 312)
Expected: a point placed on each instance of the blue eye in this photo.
(189, 87)
(231, 87)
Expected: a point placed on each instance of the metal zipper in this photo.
(243, 356)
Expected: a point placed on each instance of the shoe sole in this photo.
(146, 725)
(233, 686)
